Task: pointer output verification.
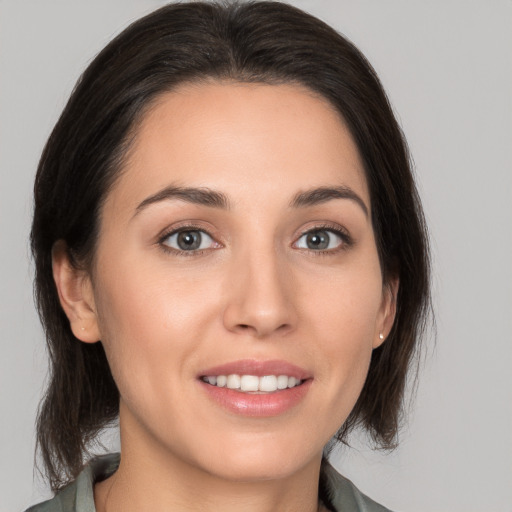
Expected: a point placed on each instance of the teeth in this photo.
(233, 382)
(268, 383)
(249, 383)
(282, 382)
(252, 383)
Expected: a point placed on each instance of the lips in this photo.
(256, 388)
(258, 368)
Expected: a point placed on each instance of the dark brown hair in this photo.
(268, 42)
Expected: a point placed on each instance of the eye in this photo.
(189, 240)
(321, 240)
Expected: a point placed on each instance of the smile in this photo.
(253, 383)
(256, 388)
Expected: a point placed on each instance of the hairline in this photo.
(128, 144)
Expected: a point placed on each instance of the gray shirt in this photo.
(79, 495)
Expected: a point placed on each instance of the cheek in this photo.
(147, 320)
(345, 316)
(347, 308)
(140, 295)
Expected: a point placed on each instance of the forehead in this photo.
(240, 137)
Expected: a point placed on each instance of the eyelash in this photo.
(183, 229)
(346, 240)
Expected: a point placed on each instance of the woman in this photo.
(231, 259)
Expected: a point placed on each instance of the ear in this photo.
(75, 294)
(387, 311)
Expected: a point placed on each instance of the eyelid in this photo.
(339, 231)
(183, 227)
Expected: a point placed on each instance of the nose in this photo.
(261, 297)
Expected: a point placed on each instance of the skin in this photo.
(256, 291)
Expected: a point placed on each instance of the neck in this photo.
(151, 478)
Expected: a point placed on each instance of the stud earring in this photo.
(83, 328)
(381, 336)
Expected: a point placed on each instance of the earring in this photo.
(381, 336)
(83, 328)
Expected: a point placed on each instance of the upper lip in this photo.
(257, 368)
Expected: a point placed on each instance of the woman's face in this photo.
(238, 242)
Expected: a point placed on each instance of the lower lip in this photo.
(257, 405)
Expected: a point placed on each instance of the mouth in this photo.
(253, 383)
(256, 388)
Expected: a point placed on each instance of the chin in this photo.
(260, 460)
(255, 471)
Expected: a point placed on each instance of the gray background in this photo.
(447, 68)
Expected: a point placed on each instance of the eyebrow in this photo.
(321, 195)
(195, 195)
(212, 198)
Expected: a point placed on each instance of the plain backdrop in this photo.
(447, 68)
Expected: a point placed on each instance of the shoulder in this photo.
(63, 501)
(345, 496)
(79, 495)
